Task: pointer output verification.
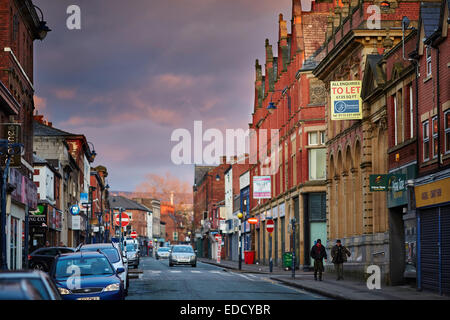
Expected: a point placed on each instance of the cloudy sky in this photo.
(139, 69)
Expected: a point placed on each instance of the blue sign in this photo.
(84, 197)
(75, 210)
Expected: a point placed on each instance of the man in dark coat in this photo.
(339, 255)
(318, 253)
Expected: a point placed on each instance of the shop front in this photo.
(432, 195)
(38, 228)
(22, 200)
(402, 225)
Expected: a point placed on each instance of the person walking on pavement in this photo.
(318, 253)
(339, 255)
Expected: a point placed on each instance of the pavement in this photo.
(348, 289)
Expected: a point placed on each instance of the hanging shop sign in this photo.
(346, 102)
(38, 218)
(386, 182)
(11, 132)
(262, 187)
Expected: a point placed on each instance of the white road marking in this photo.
(174, 271)
(214, 271)
(244, 276)
(195, 271)
(156, 271)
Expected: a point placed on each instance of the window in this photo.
(447, 131)
(313, 139)
(317, 207)
(398, 117)
(426, 141)
(428, 52)
(435, 137)
(317, 164)
(394, 99)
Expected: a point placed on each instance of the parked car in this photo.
(162, 253)
(87, 276)
(182, 254)
(27, 285)
(42, 258)
(114, 256)
(132, 254)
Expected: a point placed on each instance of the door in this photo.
(429, 249)
(445, 249)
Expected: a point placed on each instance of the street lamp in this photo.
(240, 216)
(8, 150)
(43, 28)
(91, 189)
(92, 153)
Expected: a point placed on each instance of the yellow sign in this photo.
(346, 102)
(433, 193)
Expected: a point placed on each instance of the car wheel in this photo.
(170, 264)
(194, 265)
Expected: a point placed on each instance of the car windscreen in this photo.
(163, 249)
(82, 266)
(183, 249)
(130, 247)
(111, 253)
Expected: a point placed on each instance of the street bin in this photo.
(249, 257)
(287, 260)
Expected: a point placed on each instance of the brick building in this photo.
(100, 222)
(209, 188)
(19, 27)
(290, 99)
(432, 186)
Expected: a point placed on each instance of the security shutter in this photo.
(445, 249)
(429, 249)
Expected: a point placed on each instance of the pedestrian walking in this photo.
(339, 255)
(318, 253)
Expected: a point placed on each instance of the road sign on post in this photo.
(133, 234)
(269, 225)
(124, 219)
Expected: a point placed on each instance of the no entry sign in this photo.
(269, 225)
(252, 221)
(134, 235)
(125, 219)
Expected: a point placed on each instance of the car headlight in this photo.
(112, 287)
(63, 291)
(192, 257)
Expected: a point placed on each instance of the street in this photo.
(206, 282)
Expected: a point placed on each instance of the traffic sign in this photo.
(133, 234)
(125, 219)
(269, 225)
(252, 221)
(218, 237)
(74, 210)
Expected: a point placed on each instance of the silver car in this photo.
(182, 254)
(162, 253)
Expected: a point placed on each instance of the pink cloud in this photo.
(65, 93)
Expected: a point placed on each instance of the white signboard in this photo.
(244, 180)
(76, 222)
(261, 187)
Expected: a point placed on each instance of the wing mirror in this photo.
(125, 260)
(120, 270)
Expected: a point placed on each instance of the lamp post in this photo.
(8, 150)
(240, 216)
(91, 189)
(43, 28)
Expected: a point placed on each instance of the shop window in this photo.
(317, 206)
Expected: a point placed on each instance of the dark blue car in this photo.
(87, 276)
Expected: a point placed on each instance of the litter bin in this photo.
(249, 257)
(287, 260)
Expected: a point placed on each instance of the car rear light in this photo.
(29, 257)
